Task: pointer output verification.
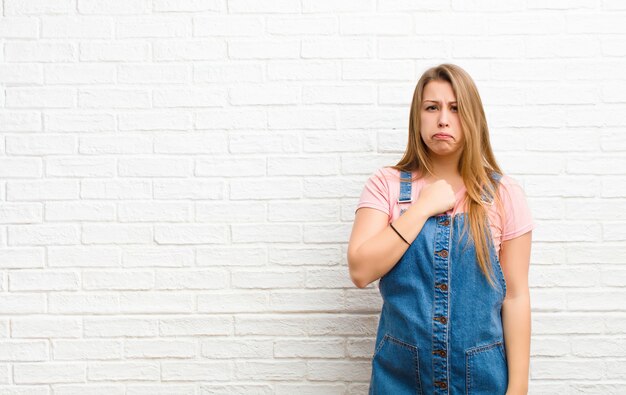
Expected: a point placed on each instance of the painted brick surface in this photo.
(178, 181)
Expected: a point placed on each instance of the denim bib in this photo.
(440, 328)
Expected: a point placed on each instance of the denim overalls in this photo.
(440, 329)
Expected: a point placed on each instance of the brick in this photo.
(188, 5)
(264, 94)
(115, 371)
(115, 7)
(116, 189)
(214, 325)
(159, 349)
(226, 71)
(228, 348)
(265, 6)
(49, 52)
(78, 122)
(309, 6)
(270, 370)
(49, 373)
(117, 280)
(230, 212)
(20, 213)
(343, 48)
(116, 233)
(72, 303)
(84, 256)
(111, 327)
(379, 25)
(41, 145)
(191, 279)
(156, 302)
(189, 50)
(110, 144)
(153, 212)
(153, 74)
(43, 326)
(263, 49)
(20, 121)
(27, 280)
(76, 27)
(74, 166)
(19, 27)
(154, 167)
(21, 304)
(128, 51)
(197, 371)
(157, 257)
(40, 97)
(154, 26)
(113, 98)
(298, 70)
(233, 302)
(24, 351)
(190, 97)
(263, 143)
(190, 234)
(21, 73)
(290, 25)
(34, 235)
(21, 258)
(80, 349)
(331, 94)
(350, 371)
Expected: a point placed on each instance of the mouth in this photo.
(442, 136)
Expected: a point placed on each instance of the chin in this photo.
(440, 152)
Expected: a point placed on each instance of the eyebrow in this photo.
(435, 101)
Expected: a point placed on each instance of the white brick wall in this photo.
(178, 180)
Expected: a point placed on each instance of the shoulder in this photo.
(386, 175)
(380, 190)
(388, 172)
(517, 214)
(510, 187)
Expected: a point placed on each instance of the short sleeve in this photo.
(518, 218)
(375, 193)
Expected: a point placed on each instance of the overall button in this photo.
(443, 287)
(441, 353)
(443, 320)
(441, 384)
(445, 223)
(442, 253)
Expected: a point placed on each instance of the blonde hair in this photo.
(477, 160)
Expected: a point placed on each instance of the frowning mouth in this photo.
(442, 136)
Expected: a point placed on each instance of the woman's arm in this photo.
(374, 248)
(515, 260)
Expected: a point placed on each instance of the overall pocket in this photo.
(486, 369)
(395, 368)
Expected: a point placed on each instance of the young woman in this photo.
(449, 237)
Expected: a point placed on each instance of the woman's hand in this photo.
(436, 198)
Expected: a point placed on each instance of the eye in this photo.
(429, 107)
(455, 108)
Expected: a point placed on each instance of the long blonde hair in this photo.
(477, 160)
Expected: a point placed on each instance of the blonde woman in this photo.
(449, 237)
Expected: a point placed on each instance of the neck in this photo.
(445, 167)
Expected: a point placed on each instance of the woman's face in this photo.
(440, 123)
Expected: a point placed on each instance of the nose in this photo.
(443, 119)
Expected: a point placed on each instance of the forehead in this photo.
(438, 91)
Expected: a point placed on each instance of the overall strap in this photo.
(405, 189)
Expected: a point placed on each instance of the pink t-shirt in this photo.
(382, 190)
